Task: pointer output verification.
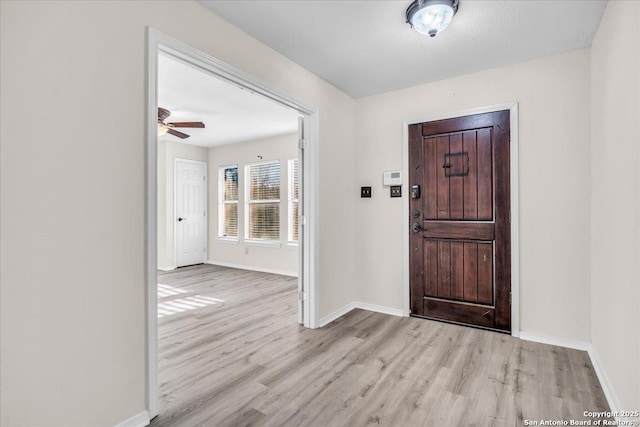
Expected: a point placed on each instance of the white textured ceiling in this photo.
(230, 114)
(365, 47)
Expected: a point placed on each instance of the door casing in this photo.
(158, 42)
(514, 184)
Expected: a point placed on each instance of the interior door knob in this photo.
(416, 227)
(181, 219)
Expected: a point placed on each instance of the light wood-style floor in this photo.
(241, 359)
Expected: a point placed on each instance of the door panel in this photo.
(485, 181)
(429, 180)
(430, 268)
(463, 190)
(485, 273)
(443, 272)
(457, 270)
(459, 238)
(190, 212)
(470, 182)
(442, 182)
(470, 271)
(456, 183)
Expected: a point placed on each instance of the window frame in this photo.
(291, 201)
(222, 203)
(248, 202)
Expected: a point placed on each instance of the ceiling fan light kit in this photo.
(162, 129)
(430, 17)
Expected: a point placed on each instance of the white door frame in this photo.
(157, 43)
(515, 216)
(175, 209)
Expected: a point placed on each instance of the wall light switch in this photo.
(365, 191)
(396, 191)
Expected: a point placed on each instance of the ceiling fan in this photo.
(163, 127)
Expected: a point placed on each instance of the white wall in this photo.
(615, 204)
(72, 313)
(281, 259)
(168, 151)
(553, 95)
(73, 211)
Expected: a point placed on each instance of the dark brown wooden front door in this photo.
(459, 244)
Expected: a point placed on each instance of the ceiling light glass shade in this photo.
(162, 129)
(429, 17)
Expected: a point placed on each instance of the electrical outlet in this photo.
(365, 191)
(396, 191)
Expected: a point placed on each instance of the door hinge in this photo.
(300, 295)
(509, 217)
(204, 178)
(510, 299)
(204, 249)
(302, 144)
(303, 220)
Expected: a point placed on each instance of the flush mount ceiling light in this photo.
(431, 16)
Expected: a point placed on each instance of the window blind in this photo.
(228, 202)
(293, 200)
(264, 201)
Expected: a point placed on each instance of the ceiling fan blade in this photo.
(177, 133)
(186, 124)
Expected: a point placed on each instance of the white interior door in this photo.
(190, 212)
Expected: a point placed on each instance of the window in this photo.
(228, 202)
(293, 200)
(263, 201)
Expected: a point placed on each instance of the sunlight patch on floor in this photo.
(179, 305)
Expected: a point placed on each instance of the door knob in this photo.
(181, 219)
(416, 227)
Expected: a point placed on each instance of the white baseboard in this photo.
(336, 314)
(605, 383)
(254, 268)
(560, 342)
(361, 305)
(139, 420)
(166, 267)
(379, 308)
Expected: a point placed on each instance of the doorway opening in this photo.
(252, 222)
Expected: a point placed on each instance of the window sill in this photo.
(293, 245)
(228, 240)
(263, 243)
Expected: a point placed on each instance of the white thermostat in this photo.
(392, 178)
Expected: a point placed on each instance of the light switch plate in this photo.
(396, 191)
(365, 192)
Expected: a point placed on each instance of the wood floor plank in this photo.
(232, 354)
